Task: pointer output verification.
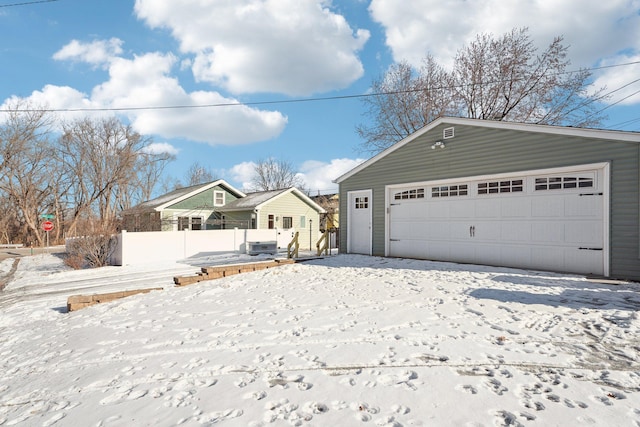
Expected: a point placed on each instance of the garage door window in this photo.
(416, 193)
(563, 182)
(493, 187)
(450, 191)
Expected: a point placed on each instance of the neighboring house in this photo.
(195, 208)
(287, 209)
(330, 220)
(499, 193)
(218, 205)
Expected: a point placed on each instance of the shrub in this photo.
(91, 251)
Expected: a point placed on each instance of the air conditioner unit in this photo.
(256, 248)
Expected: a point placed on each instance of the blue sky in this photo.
(70, 54)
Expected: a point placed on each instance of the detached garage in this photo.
(503, 194)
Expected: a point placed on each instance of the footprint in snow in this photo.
(467, 388)
(215, 417)
(506, 418)
(496, 386)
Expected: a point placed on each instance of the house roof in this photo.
(495, 124)
(162, 202)
(257, 200)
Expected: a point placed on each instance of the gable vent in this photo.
(448, 133)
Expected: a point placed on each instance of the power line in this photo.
(615, 103)
(27, 3)
(273, 102)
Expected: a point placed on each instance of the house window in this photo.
(218, 198)
(303, 221)
(183, 223)
(287, 222)
(563, 182)
(450, 191)
(189, 223)
(196, 223)
(362, 203)
(493, 187)
(270, 222)
(416, 193)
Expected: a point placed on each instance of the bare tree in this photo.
(404, 100)
(492, 78)
(198, 174)
(107, 168)
(273, 174)
(9, 222)
(147, 175)
(504, 79)
(26, 169)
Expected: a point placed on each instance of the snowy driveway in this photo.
(347, 340)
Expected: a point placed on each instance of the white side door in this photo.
(359, 227)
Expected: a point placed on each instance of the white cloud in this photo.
(295, 47)
(592, 28)
(53, 97)
(98, 52)
(243, 173)
(620, 77)
(146, 81)
(160, 148)
(319, 176)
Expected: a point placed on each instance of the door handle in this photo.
(472, 231)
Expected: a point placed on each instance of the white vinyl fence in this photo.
(152, 246)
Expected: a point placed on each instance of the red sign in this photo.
(47, 226)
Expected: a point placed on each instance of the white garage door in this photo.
(552, 220)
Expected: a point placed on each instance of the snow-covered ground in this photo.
(340, 341)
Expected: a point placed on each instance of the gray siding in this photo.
(478, 151)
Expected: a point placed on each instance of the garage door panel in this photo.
(547, 207)
(584, 206)
(486, 231)
(438, 250)
(403, 230)
(438, 210)
(409, 211)
(515, 231)
(462, 252)
(460, 230)
(409, 248)
(549, 258)
(487, 209)
(584, 261)
(584, 232)
(512, 255)
(438, 230)
(492, 254)
(460, 209)
(548, 231)
(516, 207)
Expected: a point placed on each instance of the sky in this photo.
(291, 68)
